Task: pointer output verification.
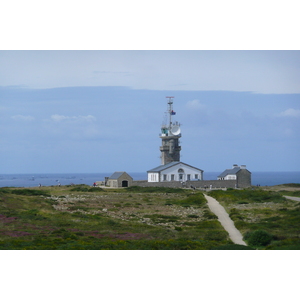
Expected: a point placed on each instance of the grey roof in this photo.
(116, 175)
(171, 164)
(230, 172)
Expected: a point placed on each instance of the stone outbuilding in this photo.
(238, 173)
(119, 179)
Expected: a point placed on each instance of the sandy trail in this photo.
(292, 198)
(225, 220)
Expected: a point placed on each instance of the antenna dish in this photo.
(175, 130)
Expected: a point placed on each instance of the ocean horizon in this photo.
(50, 179)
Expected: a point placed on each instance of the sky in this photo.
(83, 87)
(101, 111)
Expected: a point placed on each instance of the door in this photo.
(124, 183)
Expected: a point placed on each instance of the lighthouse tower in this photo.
(170, 134)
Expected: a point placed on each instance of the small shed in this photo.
(119, 179)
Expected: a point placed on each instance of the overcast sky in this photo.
(254, 71)
(101, 111)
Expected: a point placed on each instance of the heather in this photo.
(82, 218)
(266, 219)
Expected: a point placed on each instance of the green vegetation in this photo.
(85, 188)
(27, 192)
(191, 200)
(295, 185)
(139, 189)
(233, 247)
(80, 217)
(258, 238)
(265, 218)
(290, 193)
(247, 196)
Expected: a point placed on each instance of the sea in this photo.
(33, 180)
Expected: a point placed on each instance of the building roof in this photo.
(232, 171)
(116, 175)
(171, 164)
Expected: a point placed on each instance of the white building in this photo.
(175, 171)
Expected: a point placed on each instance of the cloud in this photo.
(23, 118)
(61, 118)
(291, 112)
(195, 104)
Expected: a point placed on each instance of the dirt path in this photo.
(225, 220)
(292, 198)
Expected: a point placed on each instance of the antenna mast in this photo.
(170, 109)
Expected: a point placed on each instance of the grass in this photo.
(71, 217)
(80, 217)
(265, 211)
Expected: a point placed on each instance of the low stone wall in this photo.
(197, 184)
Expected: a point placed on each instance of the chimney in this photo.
(243, 166)
(234, 166)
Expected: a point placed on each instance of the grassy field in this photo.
(81, 217)
(266, 219)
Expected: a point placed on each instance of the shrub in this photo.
(195, 200)
(86, 188)
(258, 238)
(157, 218)
(216, 235)
(30, 192)
(292, 184)
(178, 228)
(193, 216)
(139, 189)
(4, 191)
(209, 215)
(247, 195)
(233, 247)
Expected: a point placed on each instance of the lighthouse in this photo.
(170, 135)
(171, 168)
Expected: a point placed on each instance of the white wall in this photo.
(187, 171)
(230, 177)
(153, 177)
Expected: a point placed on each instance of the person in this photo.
(94, 184)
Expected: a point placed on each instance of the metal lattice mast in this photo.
(170, 109)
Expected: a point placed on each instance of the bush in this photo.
(209, 215)
(247, 196)
(30, 192)
(85, 188)
(258, 238)
(193, 216)
(233, 247)
(153, 189)
(195, 200)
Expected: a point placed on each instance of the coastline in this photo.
(48, 179)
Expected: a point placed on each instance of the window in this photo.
(165, 177)
(180, 176)
(188, 176)
(196, 176)
(172, 177)
(180, 171)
